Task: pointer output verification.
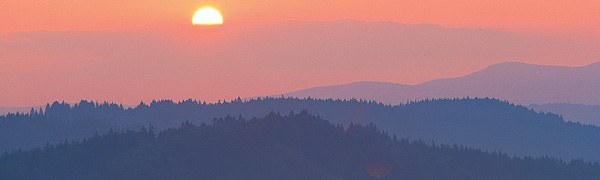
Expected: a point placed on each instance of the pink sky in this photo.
(128, 51)
(531, 16)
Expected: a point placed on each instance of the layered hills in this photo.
(489, 124)
(294, 146)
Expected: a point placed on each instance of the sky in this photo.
(127, 51)
(528, 16)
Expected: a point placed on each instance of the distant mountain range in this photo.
(518, 83)
(568, 91)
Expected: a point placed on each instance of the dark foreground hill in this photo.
(489, 124)
(297, 146)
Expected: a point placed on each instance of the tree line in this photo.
(485, 123)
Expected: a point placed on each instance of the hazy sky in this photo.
(575, 17)
(128, 50)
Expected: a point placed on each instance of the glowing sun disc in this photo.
(207, 16)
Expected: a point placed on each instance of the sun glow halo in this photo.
(207, 16)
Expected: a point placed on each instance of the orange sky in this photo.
(573, 17)
(129, 50)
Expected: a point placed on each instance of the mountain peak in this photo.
(504, 67)
(522, 64)
(595, 64)
(511, 65)
(375, 83)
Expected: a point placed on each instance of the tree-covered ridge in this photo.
(295, 146)
(489, 124)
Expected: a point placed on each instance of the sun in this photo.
(207, 16)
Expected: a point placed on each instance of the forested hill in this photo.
(295, 146)
(488, 124)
